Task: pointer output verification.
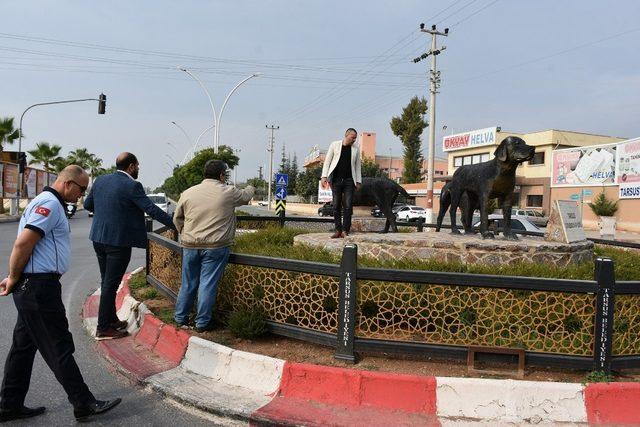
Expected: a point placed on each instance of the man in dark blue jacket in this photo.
(119, 203)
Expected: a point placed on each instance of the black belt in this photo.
(42, 276)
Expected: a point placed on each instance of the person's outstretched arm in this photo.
(144, 203)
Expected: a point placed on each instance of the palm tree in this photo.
(80, 157)
(94, 164)
(8, 133)
(45, 154)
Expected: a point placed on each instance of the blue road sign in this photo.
(281, 193)
(282, 179)
(575, 197)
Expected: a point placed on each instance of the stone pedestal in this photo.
(444, 246)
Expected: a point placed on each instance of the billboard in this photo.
(324, 195)
(471, 139)
(584, 166)
(29, 183)
(628, 162)
(40, 181)
(10, 181)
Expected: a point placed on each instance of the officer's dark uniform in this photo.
(42, 322)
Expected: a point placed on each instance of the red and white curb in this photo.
(263, 390)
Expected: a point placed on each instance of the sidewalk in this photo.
(8, 218)
(261, 390)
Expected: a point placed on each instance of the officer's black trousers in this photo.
(41, 326)
(113, 262)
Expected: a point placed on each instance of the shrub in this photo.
(602, 206)
(247, 324)
(598, 377)
(138, 280)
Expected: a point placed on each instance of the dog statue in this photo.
(468, 205)
(495, 178)
(382, 192)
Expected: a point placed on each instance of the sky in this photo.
(324, 66)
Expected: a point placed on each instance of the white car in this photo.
(411, 213)
(534, 216)
(263, 203)
(161, 201)
(517, 223)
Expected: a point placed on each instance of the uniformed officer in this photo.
(40, 256)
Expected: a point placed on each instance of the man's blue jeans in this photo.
(201, 272)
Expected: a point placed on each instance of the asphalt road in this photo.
(139, 406)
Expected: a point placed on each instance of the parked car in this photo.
(326, 209)
(376, 212)
(536, 217)
(161, 201)
(411, 213)
(517, 223)
(263, 203)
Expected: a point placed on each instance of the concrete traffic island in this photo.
(447, 247)
(251, 388)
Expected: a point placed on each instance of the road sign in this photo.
(282, 179)
(575, 197)
(281, 193)
(281, 206)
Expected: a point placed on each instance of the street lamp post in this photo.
(102, 101)
(216, 118)
(235, 168)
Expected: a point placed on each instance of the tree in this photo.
(192, 173)
(408, 127)
(307, 182)
(47, 155)
(260, 185)
(81, 157)
(293, 174)
(8, 133)
(94, 164)
(371, 169)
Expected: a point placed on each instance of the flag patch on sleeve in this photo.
(41, 210)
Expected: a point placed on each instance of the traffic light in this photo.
(22, 161)
(102, 103)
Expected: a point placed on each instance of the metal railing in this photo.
(603, 289)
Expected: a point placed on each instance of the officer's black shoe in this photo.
(100, 407)
(21, 413)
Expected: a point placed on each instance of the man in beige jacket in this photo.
(205, 219)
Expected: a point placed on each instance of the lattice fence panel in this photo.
(536, 321)
(301, 299)
(165, 265)
(626, 325)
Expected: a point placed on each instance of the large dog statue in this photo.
(495, 178)
(382, 192)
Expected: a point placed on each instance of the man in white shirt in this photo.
(343, 169)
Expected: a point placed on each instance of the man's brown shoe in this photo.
(337, 235)
(119, 325)
(110, 334)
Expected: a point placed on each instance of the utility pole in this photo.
(270, 150)
(434, 79)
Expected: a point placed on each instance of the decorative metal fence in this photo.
(580, 324)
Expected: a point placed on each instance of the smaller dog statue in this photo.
(495, 178)
(382, 192)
